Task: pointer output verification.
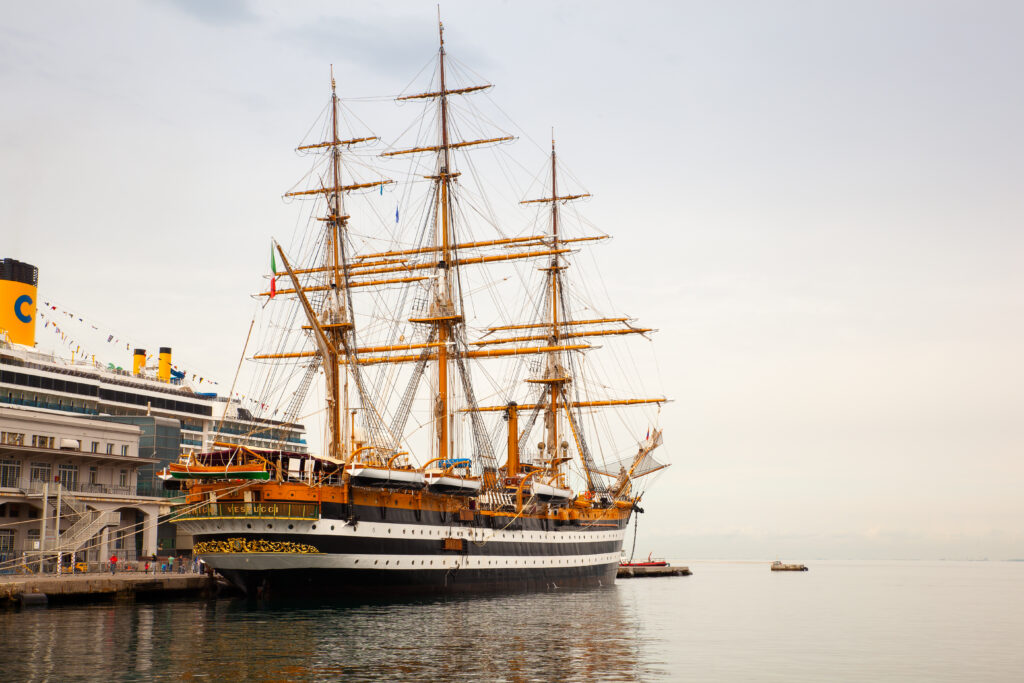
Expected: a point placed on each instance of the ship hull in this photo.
(356, 583)
(344, 559)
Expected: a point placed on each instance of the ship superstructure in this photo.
(413, 492)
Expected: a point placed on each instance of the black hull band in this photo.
(359, 583)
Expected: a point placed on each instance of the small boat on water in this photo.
(778, 566)
(650, 562)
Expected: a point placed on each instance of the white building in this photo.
(90, 466)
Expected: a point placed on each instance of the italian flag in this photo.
(273, 269)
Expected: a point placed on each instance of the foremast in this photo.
(333, 326)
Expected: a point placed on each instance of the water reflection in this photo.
(586, 634)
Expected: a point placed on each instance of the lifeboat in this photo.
(254, 471)
(384, 477)
(550, 494)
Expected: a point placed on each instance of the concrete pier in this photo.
(638, 572)
(27, 590)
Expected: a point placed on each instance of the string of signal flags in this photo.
(54, 315)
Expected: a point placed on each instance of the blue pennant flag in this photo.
(396, 213)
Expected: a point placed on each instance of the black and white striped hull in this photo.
(394, 558)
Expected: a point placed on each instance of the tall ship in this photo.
(470, 443)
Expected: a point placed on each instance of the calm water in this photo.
(854, 621)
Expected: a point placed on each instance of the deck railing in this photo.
(264, 510)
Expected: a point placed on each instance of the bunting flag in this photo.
(273, 269)
(396, 213)
(69, 337)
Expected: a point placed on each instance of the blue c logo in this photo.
(21, 301)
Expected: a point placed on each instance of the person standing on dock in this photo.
(113, 564)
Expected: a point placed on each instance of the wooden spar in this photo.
(563, 335)
(327, 348)
(431, 265)
(495, 353)
(351, 285)
(457, 91)
(339, 188)
(336, 143)
(579, 404)
(564, 198)
(566, 323)
(427, 266)
(458, 247)
(447, 146)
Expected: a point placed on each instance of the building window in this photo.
(68, 476)
(10, 473)
(32, 536)
(6, 543)
(93, 475)
(124, 477)
(42, 441)
(13, 510)
(39, 471)
(119, 540)
(33, 513)
(95, 446)
(110, 449)
(12, 438)
(124, 449)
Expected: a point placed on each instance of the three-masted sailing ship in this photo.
(438, 507)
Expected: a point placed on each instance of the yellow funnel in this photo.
(163, 371)
(18, 301)
(139, 361)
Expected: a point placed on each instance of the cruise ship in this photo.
(47, 382)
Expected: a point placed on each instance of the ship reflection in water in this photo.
(585, 634)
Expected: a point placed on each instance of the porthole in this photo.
(389, 531)
(291, 526)
(248, 526)
(387, 561)
(357, 562)
(376, 561)
(270, 526)
(314, 526)
(332, 527)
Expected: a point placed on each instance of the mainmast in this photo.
(444, 310)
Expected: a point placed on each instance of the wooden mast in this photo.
(332, 366)
(339, 418)
(444, 300)
(554, 371)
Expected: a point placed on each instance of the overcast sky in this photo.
(817, 204)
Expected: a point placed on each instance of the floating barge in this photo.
(632, 570)
(778, 566)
